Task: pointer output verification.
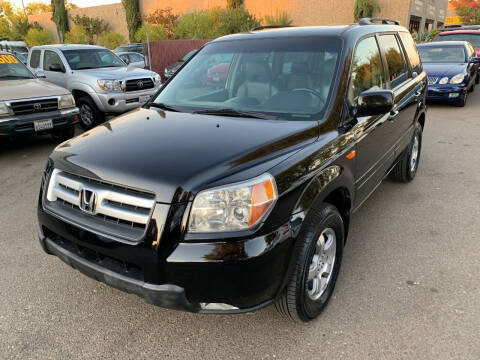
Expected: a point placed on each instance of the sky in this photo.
(79, 3)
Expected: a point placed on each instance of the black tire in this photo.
(89, 114)
(64, 134)
(472, 88)
(477, 80)
(462, 101)
(295, 302)
(403, 170)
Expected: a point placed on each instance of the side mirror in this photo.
(56, 67)
(40, 74)
(127, 61)
(374, 102)
(476, 60)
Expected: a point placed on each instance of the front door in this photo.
(51, 61)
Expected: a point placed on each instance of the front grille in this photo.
(34, 106)
(110, 210)
(432, 80)
(139, 84)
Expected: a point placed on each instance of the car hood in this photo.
(31, 88)
(176, 154)
(117, 73)
(444, 69)
(174, 66)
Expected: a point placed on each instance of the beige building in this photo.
(414, 14)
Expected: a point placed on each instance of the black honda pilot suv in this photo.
(233, 187)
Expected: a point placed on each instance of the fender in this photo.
(76, 85)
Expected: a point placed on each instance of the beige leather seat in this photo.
(258, 83)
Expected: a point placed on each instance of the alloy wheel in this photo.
(323, 261)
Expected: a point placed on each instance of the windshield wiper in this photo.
(85, 68)
(236, 113)
(162, 106)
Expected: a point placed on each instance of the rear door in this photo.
(407, 86)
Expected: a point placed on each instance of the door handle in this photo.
(393, 115)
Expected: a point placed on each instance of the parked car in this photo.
(30, 106)
(133, 59)
(13, 46)
(472, 36)
(217, 75)
(233, 199)
(138, 48)
(98, 79)
(452, 70)
(23, 57)
(172, 68)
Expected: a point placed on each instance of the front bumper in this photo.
(211, 277)
(23, 125)
(442, 92)
(122, 101)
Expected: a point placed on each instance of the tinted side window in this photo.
(50, 58)
(412, 52)
(135, 57)
(367, 68)
(397, 68)
(35, 59)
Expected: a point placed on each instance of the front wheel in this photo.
(463, 100)
(319, 252)
(90, 115)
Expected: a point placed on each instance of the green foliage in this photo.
(155, 32)
(5, 29)
(20, 27)
(365, 8)
(215, 22)
(111, 40)
(234, 4)
(76, 35)
(134, 19)
(60, 18)
(280, 18)
(38, 37)
(469, 11)
(94, 27)
(425, 36)
(164, 17)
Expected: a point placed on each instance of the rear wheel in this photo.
(407, 166)
(89, 114)
(319, 255)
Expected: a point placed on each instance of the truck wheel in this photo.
(64, 134)
(406, 168)
(319, 248)
(89, 114)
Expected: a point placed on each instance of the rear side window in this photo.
(412, 52)
(50, 58)
(367, 68)
(35, 59)
(397, 68)
(136, 57)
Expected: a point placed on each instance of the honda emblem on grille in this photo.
(140, 84)
(88, 199)
(37, 106)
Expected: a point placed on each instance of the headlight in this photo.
(443, 80)
(66, 101)
(457, 79)
(4, 109)
(157, 80)
(110, 85)
(233, 207)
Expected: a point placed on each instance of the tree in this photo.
(35, 8)
(111, 40)
(60, 18)
(133, 17)
(76, 35)
(38, 37)
(234, 4)
(468, 10)
(164, 17)
(155, 32)
(365, 8)
(94, 27)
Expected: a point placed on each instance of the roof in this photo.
(68, 47)
(329, 31)
(477, 32)
(127, 52)
(443, 43)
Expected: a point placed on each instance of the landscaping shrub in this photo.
(111, 40)
(76, 35)
(155, 32)
(38, 37)
(164, 17)
(94, 27)
(281, 18)
(365, 8)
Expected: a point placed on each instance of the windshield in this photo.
(81, 59)
(473, 39)
(188, 55)
(290, 78)
(447, 54)
(11, 68)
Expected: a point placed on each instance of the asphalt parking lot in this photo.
(409, 285)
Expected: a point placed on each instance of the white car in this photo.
(133, 59)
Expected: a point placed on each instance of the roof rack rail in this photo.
(264, 27)
(370, 21)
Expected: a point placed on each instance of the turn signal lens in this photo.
(233, 207)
